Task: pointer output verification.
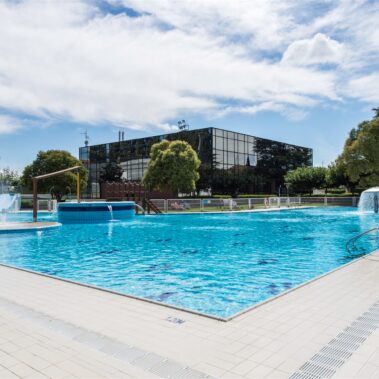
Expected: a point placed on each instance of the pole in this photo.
(35, 200)
(78, 187)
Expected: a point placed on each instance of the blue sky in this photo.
(300, 72)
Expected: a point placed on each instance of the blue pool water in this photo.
(218, 264)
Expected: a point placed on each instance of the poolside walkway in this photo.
(56, 329)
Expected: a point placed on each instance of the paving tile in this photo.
(55, 372)
(7, 374)
(260, 371)
(22, 370)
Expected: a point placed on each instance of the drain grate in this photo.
(335, 353)
(351, 338)
(317, 370)
(166, 369)
(324, 364)
(130, 354)
(326, 360)
(357, 331)
(147, 361)
(368, 320)
(303, 375)
(364, 325)
(189, 373)
(343, 345)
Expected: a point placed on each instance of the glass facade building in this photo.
(231, 162)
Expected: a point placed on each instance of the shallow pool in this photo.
(218, 264)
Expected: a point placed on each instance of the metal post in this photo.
(35, 200)
(249, 200)
(78, 187)
(376, 203)
(325, 201)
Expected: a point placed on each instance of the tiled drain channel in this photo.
(150, 362)
(332, 356)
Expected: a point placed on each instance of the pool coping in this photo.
(20, 227)
(197, 313)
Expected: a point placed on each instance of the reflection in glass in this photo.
(231, 162)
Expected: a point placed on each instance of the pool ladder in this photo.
(351, 243)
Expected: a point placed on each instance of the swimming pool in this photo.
(217, 264)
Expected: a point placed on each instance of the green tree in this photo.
(335, 176)
(306, 179)
(7, 175)
(112, 173)
(173, 166)
(361, 155)
(51, 161)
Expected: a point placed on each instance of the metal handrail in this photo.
(354, 239)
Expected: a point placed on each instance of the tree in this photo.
(335, 176)
(9, 176)
(112, 173)
(173, 166)
(306, 179)
(361, 155)
(376, 111)
(51, 161)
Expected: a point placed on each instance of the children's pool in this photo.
(217, 264)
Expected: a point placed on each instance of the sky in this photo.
(302, 72)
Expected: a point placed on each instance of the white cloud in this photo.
(9, 125)
(317, 50)
(69, 60)
(365, 88)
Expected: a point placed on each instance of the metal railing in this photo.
(47, 205)
(240, 204)
(351, 244)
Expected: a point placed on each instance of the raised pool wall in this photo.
(95, 211)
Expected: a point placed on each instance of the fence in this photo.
(239, 204)
(47, 205)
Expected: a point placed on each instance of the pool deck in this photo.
(56, 329)
(26, 226)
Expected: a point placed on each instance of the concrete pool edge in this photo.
(19, 227)
(306, 283)
(114, 292)
(186, 310)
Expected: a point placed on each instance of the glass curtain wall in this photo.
(231, 163)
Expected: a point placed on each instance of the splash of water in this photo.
(111, 211)
(9, 203)
(369, 200)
